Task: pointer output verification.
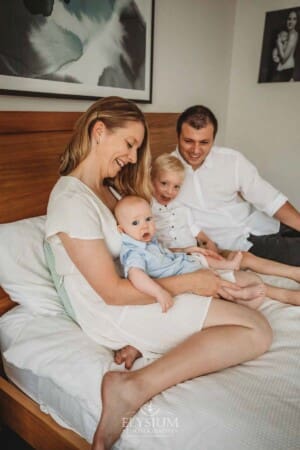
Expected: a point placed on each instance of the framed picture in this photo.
(280, 56)
(78, 49)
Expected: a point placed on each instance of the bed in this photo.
(51, 376)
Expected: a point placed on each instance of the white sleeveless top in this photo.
(74, 209)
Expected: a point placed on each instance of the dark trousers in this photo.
(283, 246)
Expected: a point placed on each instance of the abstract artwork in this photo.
(77, 48)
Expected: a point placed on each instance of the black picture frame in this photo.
(48, 49)
(273, 68)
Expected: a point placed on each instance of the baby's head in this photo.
(167, 174)
(134, 218)
(283, 36)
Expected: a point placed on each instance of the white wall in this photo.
(192, 55)
(263, 119)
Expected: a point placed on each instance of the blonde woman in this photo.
(110, 146)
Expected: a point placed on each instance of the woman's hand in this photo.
(208, 283)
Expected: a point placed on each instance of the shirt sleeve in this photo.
(255, 189)
(76, 216)
(132, 258)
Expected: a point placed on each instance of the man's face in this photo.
(194, 145)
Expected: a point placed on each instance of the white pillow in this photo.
(24, 274)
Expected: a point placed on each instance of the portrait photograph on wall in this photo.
(79, 49)
(280, 55)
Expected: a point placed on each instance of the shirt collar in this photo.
(159, 207)
(130, 240)
(208, 162)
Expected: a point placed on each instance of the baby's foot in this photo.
(235, 262)
(127, 355)
(251, 292)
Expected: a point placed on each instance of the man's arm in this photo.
(288, 215)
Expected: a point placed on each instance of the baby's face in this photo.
(283, 36)
(137, 222)
(166, 185)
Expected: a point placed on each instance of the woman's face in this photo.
(291, 20)
(119, 147)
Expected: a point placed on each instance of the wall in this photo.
(263, 119)
(192, 55)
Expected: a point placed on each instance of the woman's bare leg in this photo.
(232, 334)
(269, 267)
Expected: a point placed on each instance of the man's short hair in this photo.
(198, 117)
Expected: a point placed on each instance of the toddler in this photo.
(176, 230)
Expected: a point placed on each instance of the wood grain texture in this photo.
(30, 146)
(24, 416)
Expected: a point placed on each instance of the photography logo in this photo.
(150, 421)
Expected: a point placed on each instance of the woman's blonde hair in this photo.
(114, 112)
(166, 162)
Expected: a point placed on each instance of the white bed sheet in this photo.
(253, 406)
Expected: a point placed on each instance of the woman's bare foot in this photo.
(120, 401)
(251, 292)
(127, 354)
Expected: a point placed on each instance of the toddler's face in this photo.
(137, 222)
(166, 185)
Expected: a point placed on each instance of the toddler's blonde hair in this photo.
(166, 162)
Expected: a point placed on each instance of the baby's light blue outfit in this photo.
(154, 259)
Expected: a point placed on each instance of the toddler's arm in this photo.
(144, 283)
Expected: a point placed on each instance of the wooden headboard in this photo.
(30, 146)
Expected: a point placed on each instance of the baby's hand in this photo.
(165, 299)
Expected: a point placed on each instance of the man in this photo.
(230, 201)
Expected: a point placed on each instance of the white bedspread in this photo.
(255, 406)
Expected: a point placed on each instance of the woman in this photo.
(110, 142)
(286, 44)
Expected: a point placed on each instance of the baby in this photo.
(144, 258)
(283, 38)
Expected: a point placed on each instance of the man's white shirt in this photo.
(229, 200)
